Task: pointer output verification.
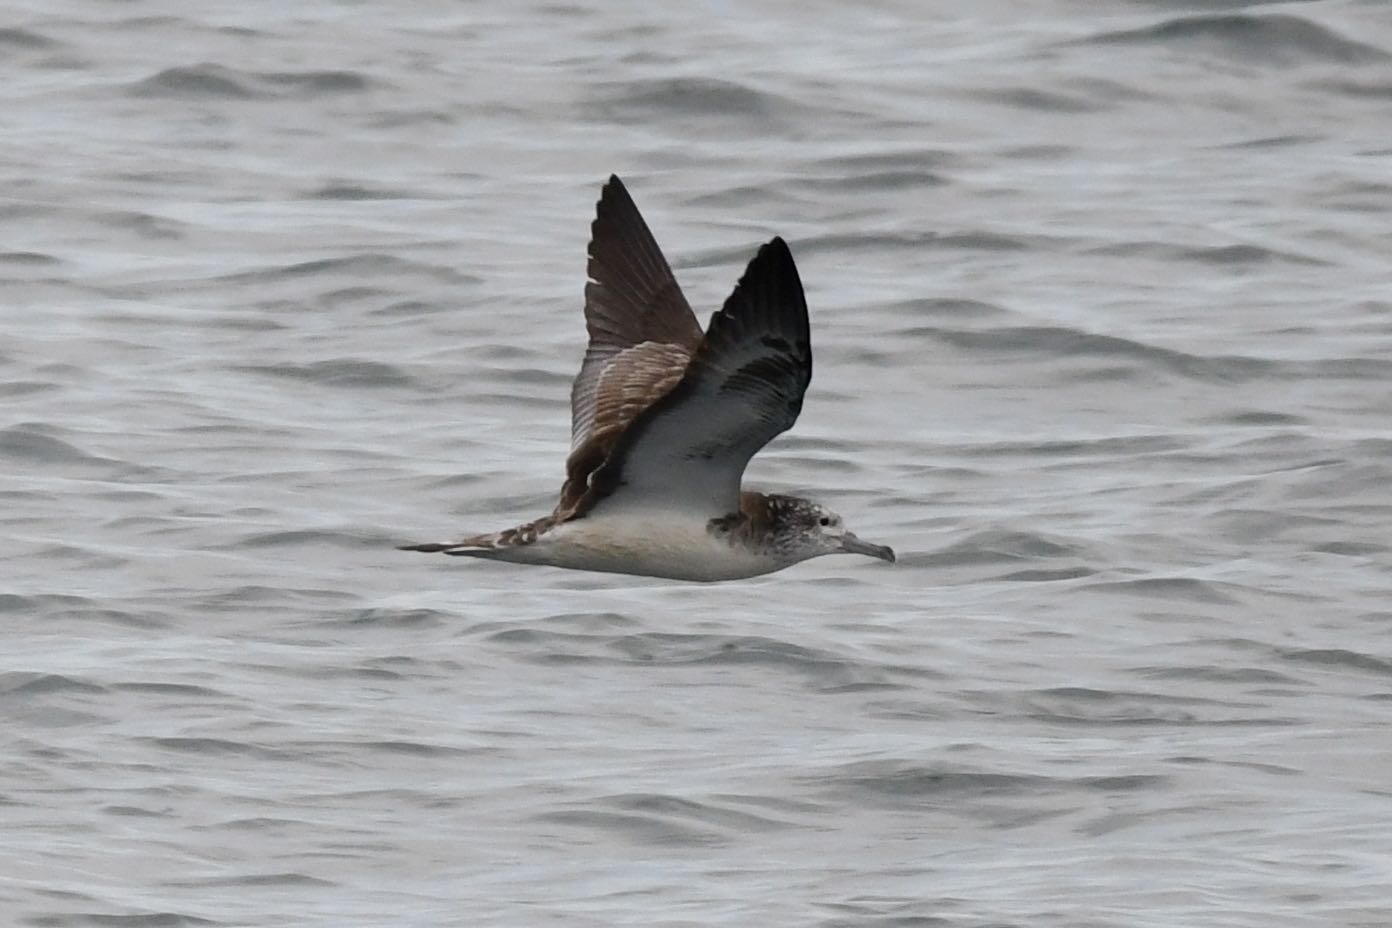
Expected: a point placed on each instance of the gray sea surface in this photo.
(1101, 297)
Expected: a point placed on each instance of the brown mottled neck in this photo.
(758, 519)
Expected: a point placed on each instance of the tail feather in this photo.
(486, 545)
(434, 547)
(477, 545)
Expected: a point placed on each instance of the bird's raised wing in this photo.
(631, 300)
(743, 386)
(642, 334)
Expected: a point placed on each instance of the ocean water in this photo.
(1101, 297)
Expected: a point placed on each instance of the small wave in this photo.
(762, 198)
(399, 618)
(1077, 705)
(56, 607)
(374, 267)
(694, 101)
(839, 244)
(217, 82)
(1339, 658)
(944, 308)
(1072, 343)
(253, 823)
(894, 173)
(406, 748)
(200, 81)
(339, 372)
(871, 181)
(241, 597)
(1239, 255)
(136, 812)
(412, 308)
(288, 878)
(663, 820)
(1247, 254)
(215, 747)
(357, 192)
(32, 445)
(1363, 90)
(1261, 142)
(30, 258)
(905, 781)
(891, 162)
(1036, 100)
(646, 830)
(1272, 39)
(316, 83)
(1000, 547)
(150, 919)
(1047, 576)
(29, 444)
(13, 37)
(370, 264)
(25, 683)
(294, 538)
(182, 690)
(1351, 548)
(825, 671)
(26, 387)
(1186, 589)
(1206, 674)
(1258, 418)
(145, 225)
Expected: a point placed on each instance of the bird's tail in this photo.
(492, 544)
(473, 546)
(465, 546)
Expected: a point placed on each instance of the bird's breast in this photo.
(659, 544)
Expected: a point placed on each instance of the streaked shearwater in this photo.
(665, 419)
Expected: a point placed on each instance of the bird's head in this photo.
(803, 529)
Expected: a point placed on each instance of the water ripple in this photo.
(219, 82)
(1272, 39)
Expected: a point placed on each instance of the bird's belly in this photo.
(675, 548)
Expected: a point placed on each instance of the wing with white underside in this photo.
(743, 386)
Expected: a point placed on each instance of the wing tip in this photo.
(778, 249)
(774, 275)
(614, 191)
(614, 219)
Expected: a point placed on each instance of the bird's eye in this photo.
(825, 521)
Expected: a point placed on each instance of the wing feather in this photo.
(631, 298)
(642, 334)
(743, 386)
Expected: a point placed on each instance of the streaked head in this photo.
(802, 529)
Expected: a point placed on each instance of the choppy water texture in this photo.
(1103, 321)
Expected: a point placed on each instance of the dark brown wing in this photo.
(641, 330)
(744, 385)
(631, 299)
